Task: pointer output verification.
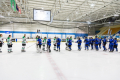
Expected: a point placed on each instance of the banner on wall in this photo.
(13, 4)
(7, 32)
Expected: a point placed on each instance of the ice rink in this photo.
(64, 65)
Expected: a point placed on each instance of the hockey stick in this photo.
(31, 45)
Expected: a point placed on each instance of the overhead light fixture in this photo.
(8, 14)
(1, 16)
(92, 5)
(11, 22)
(104, 15)
(88, 22)
(77, 26)
(42, 8)
(89, 26)
(116, 15)
(67, 19)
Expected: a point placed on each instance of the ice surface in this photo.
(64, 65)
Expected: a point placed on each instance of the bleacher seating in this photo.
(104, 30)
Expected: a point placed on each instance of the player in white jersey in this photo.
(24, 43)
(9, 43)
(1, 42)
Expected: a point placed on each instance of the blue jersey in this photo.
(115, 42)
(111, 40)
(99, 40)
(96, 40)
(104, 41)
(39, 41)
(49, 42)
(58, 41)
(91, 41)
(79, 42)
(69, 42)
(86, 41)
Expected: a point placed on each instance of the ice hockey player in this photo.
(70, 44)
(96, 43)
(39, 44)
(99, 42)
(72, 41)
(24, 43)
(44, 43)
(111, 44)
(104, 43)
(67, 43)
(115, 44)
(58, 43)
(36, 42)
(49, 45)
(9, 43)
(1, 42)
(79, 41)
(54, 43)
(86, 43)
(91, 42)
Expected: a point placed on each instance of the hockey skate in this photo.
(9, 52)
(39, 51)
(23, 51)
(79, 49)
(49, 50)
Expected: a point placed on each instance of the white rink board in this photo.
(63, 36)
(43, 35)
(73, 36)
(54, 35)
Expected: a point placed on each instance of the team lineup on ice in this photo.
(45, 44)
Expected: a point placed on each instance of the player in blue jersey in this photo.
(39, 44)
(58, 43)
(86, 41)
(79, 41)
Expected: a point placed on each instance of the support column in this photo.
(13, 30)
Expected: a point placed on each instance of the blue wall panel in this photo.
(24, 32)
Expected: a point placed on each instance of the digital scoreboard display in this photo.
(41, 15)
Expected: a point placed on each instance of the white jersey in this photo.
(9, 41)
(23, 40)
(54, 42)
(1, 39)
